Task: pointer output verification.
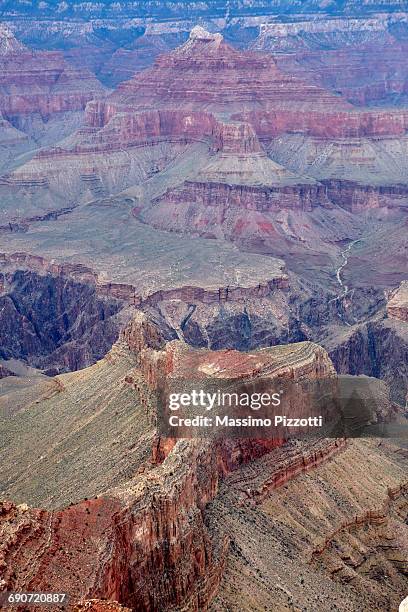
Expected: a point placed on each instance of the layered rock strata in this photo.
(153, 523)
(344, 502)
(397, 305)
(238, 177)
(242, 78)
(55, 323)
(40, 81)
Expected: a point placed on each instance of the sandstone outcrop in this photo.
(222, 143)
(397, 305)
(239, 177)
(40, 81)
(151, 523)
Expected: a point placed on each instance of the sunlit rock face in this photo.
(249, 217)
(397, 306)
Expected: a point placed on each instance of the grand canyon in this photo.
(216, 192)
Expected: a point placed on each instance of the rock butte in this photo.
(40, 81)
(232, 145)
(150, 537)
(239, 105)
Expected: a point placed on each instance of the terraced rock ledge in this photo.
(149, 522)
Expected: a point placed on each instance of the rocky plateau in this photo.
(210, 192)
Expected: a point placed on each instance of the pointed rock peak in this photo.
(8, 42)
(202, 42)
(198, 33)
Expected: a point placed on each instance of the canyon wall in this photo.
(397, 305)
(55, 323)
(40, 81)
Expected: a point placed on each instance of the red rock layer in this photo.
(282, 467)
(235, 138)
(336, 124)
(206, 74)
(147, 545)
(222, 197)
(243, 79)
(397, 306)
(357, 197)
(378, 516)
(42, 82)
(149, 554)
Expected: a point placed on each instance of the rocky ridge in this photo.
(134, 136)
(40, 82)
(397, 305)
(151, 538)
(184, 476)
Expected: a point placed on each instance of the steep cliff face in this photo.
(40, 82)
(135, 135)
(215, 209)
(239, 179)
(55, 323)
(144, 528)
(147, 543)
(397, 305)
(238, 318)
(379, 349)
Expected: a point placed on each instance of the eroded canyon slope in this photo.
(162, 524)
(42, 98)
(223, 212)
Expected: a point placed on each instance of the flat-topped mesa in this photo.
(397, 307)
(153, 345)
(290, 361)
